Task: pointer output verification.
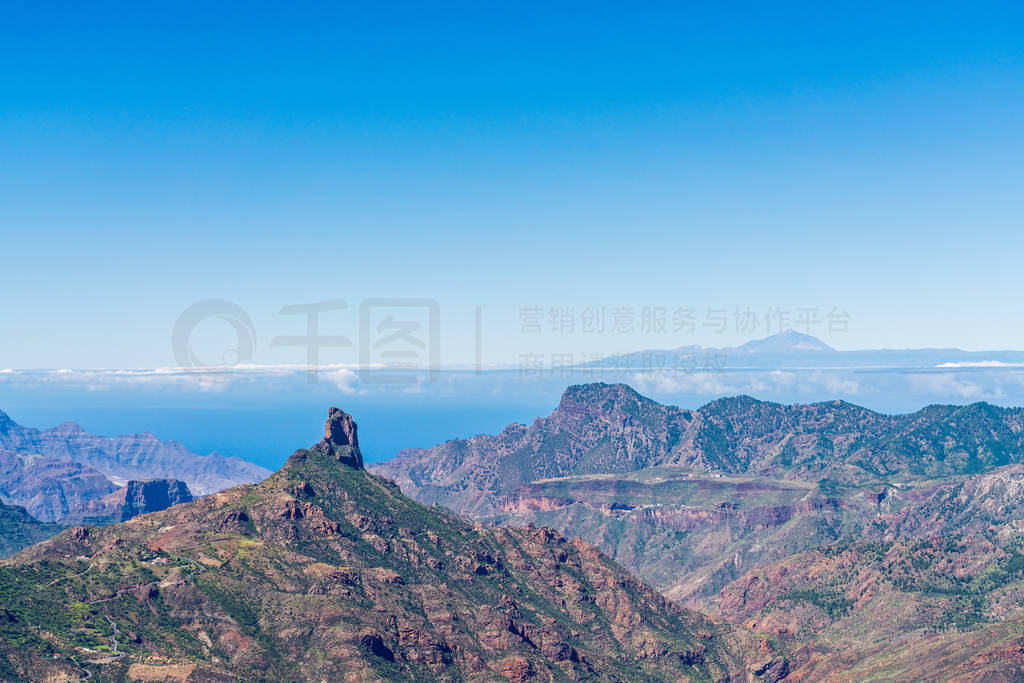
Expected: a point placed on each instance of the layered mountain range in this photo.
(859, 539)
(57, 473)
(326, 572)
(825, 541)
(132, 456)
(611, 429)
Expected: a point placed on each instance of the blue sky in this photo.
(579, 155)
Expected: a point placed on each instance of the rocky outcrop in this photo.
(132, 499)
(340, 439)
(909, 609)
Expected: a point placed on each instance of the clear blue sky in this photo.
(710, 154)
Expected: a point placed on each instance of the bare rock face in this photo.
(516, 669)
(133, 499)
(340, 439)
(340, 429)
(140, 497)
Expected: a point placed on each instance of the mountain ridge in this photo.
(50, 488)
(690, 499)
(130, 456)
(57, 472)
(611, 428)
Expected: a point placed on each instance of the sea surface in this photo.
(266, 431)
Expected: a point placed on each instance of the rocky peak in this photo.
(340, 439)
(68, 428)
(152, 495)
(6, 423)
(599, 396)
(731, 404)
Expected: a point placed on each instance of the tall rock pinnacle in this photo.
(340, 439)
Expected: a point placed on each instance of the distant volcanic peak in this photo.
(789, 341)
(340, 438)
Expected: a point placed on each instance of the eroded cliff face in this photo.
(932, 567)
(134, 498)
(325, 571)
(688, 534)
